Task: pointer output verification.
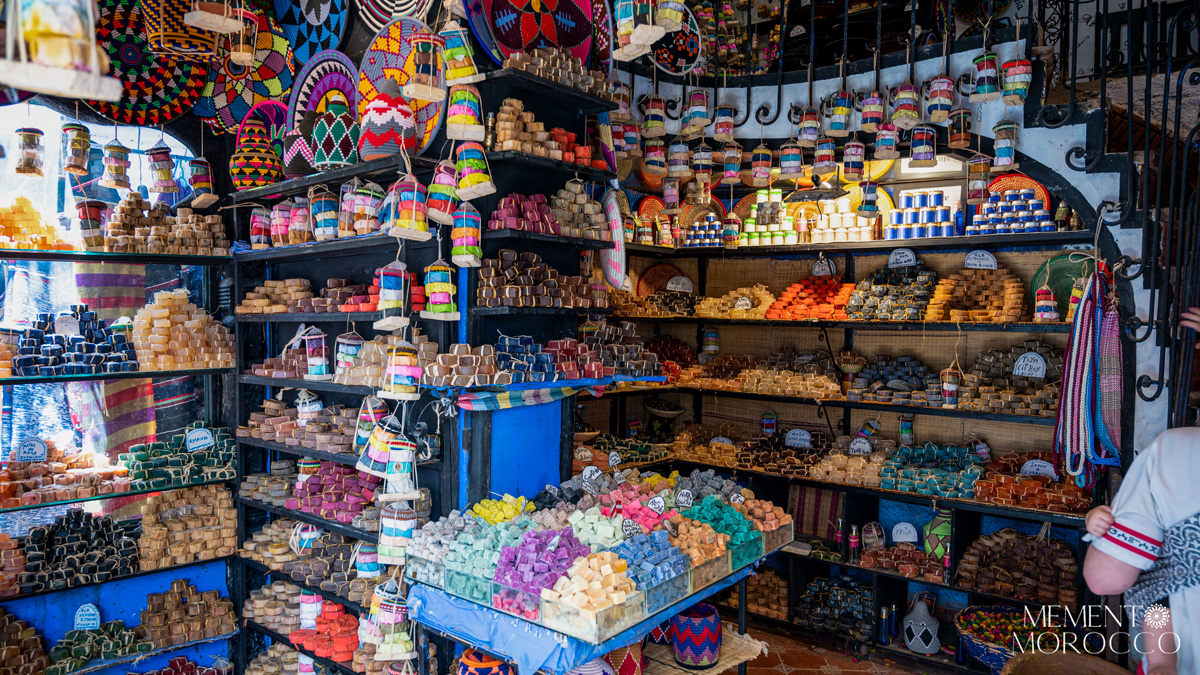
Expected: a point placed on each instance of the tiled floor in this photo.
(787, 656)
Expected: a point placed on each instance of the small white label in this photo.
(797, 30)
(737, 499)
(684, 499)
(32, 450)
(1030, 364)
(87, 617)
(798, 438)
(591, 473)
(902, 257)
(806, 358)
(199, 439)
(904, 532)
(657, 505)
(588, 487)
(627, 284)
(980, 260)
(680, 283)
(619, 478)
(1038, 467)
(630, 528)
(614, 459)
(551, 490)
(720, 439)
(824, 267)
(860, 446)
(66, 325)
(743, 303)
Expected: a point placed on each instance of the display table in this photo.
(533, 648)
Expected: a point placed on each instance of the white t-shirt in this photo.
(1159, 491)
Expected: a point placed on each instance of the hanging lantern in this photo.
(242, 42)
(1005, 133)
(368, 198)
(723, 117)
(370, 412)
(466, 237)
(623, 97)
(297, 149)
(388, 126)
(1018, 74)
(654, 158)
(345, 352)
(841, 106)
(951, 377)
(90, 213)
(317, 356)
(394, 281)
(809, 128)
(939, 98)
(760, 166)
(76, 145)
(959, 131)
(791, 161)
(439, 288)
(400, 484)
(201, 180)
(116, 165)
(464, 117)
(979, 176)
(695, 114)
(923, 146)
(162, 168)
(459, 55)
(373, 458)
(618, 136)
(868, 208)
(654, 118)
(853, 160)
(906, 106)
(987, 81)
(633, 140)
(281, 220)
(308, 407)
(731, 230)
(403, 374)
(887, 142)
(669, 15)
(474, 174)
(335, 135)
(255, 162)
(300, 229)
(323, 206)
(425, 80)
(702, 163)
(1045, 306)
(679, 160)
(825, 162)
(872, 106)
(410, 209)
(670, 197)
(732, 164)
(443, 196)
(346, 209)
(260, 229)
(217, 17)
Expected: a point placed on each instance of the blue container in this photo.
(891, 232)
(1010, 218)
(920, 199)
(912, 216)
(906, 200)
(1041, 216)
(918, 231)
(906, 231)
(995, 198)
(991, 220)
(1048, 227)
(942, 214)
(1006, 207)
(936, 198)
(948, 229)
(1032, 227)
(1036, 204)
(1012, 195)
(1025, 216)
(896, 217)
(1028, 193)
(987, 229)
(926, 215)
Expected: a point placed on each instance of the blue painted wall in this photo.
(526, 449)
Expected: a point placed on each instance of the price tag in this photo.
(680, 283)
(860, 446)
(1030, 364)
(684, 499)
(657, 505)
(627, 284)
(630, 528)
(902, 257)
(824, 267)
(619, 478)
(66, 325)
(979, 260)
(614, 459)
(806, 358)
(743, 303)
(591, 473)
(672, 529)
(737, 499)
(87, 617)
(798, 438)
(552, 490)
(904, 532)
(32, 450)
(199, 439)
(797, 31)
(720, 439)
(1038, 467)
(588, 487)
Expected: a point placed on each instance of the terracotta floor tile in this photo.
(769, 660)
(801, 658)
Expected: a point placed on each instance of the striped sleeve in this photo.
(1136, 536)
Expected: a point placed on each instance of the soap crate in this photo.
(594, 627)
(710, 571)
(521, 604)
(667, 593)
(746, 552)
(469, 587)
(778, 538)
(425, 571)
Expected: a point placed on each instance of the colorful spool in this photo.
(825, 161)
(906, 106)
(872, 111)
(440, 290)
(308, 406)
(1045, 305)
(425, 80)
(791, 161)
(979, 176)
(464, 117)
(116, 163)
(281, 220)
(959, 131)
(868, 207)
(809, 128)
(346, 209)
(760, 166)
(923, 146)
(162, 169)
(368, 200)
(1018, 74)
(633, 140)
(731, 230)
(201, 180)
(373, 458)
(654, 157)
(702, 163)
(731, 162)
(723, 117)
(841, 108)
(443, 194)
(465, 250)
(669, 15)
(987, 81)
(474, 175)
(887, 142)
(346, 350)
(951, 378)
(403, 373)
(409, 210)
(679, 160)
(1005, 134)
(324, 208)
(459, 55)
(317, 356)
(300, 227)
(939, 98)
(695, 115)
(853, 160)
(654, 117)
(670, 197)
(260, 229)
(76, 145)
(91, 213)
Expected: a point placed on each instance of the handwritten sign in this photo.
(1030, 364)
(591, 473)
(66, 325)
(720, 439)
(824, 267)
(798, 438)
(860, 446)
(657, 505)
(904, 532)
(588, 487)
(1038, 467)
(737, 499)
(743, 303)
(614, 459)
(552, 491)
(630, 528)
(684, 499)
(627, 284)
(87, 617)
(31, 450)
(980, 260)
(902, 257)
(619, 478)
(199, 439)
(680, 283)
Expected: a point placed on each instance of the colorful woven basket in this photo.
(661, 634)
(255, 162)
(474, 662)
(992, 655)
(627, 660)
(696, 636)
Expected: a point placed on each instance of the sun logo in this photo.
(1157, 616)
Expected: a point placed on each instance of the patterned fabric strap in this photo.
(1177, 569)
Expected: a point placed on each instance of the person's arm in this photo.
(1106, 575)
(1132, 542)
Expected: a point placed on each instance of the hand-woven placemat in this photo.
(736, 649)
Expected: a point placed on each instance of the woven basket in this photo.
(992, 655)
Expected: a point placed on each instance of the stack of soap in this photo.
(528, 214)
(23, 643)
(493, 511)
(906, 560)
(22, 227)
(273, 488)
(12, 566)
(580, 215)
(523, 280)
(562, 67)
(595, 529)
(744, 539)
(740, 303)
(980, 295)
(842, 604)
(209, 455)
(278, 659)
(433, 541)
(474, 556)
(593, 584)
(182, 526)
(554, 516)
(336, 492)
(111, 641)
(817, 297)
(7, 345)
(766, 594)
(698, 540)
(277, 296)
(73, 343)
(271, 541)
(537, 563)
(62, 477)
(462, 366)
(196, 234)
(181, 665)
(335, 636)
(171, 333)
(275, 606)
(893, 294)
(77, 549)
(653, 560)
(705, 483)
(332, 428)
(763, 515)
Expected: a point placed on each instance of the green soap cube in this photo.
(159, 483)
(144, 647)
(59, 652)
(81, 651)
